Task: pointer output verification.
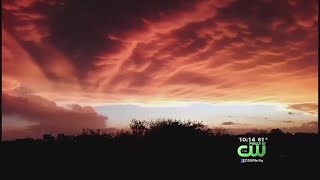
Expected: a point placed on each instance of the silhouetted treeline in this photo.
(185, 144)
(162, 130)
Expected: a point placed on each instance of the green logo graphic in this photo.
(243, 150)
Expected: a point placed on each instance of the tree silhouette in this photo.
(276, 132)
(137, 127)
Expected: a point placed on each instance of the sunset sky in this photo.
(236, 64)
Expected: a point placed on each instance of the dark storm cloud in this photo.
(82, 29)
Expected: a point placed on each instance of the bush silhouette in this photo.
(276, 132)
(138, 128)
(168, 128)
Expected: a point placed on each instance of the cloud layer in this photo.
(307, 127)
(41, 116)
(310, 108)
(87, 52)
(200, 51)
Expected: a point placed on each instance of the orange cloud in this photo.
(213, 51)
(310, 108)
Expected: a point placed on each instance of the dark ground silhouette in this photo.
(189, 146)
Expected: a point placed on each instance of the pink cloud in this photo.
(212, 51)
(48, 117)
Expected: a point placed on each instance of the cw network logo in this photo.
(251, 151)
(255, 148)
